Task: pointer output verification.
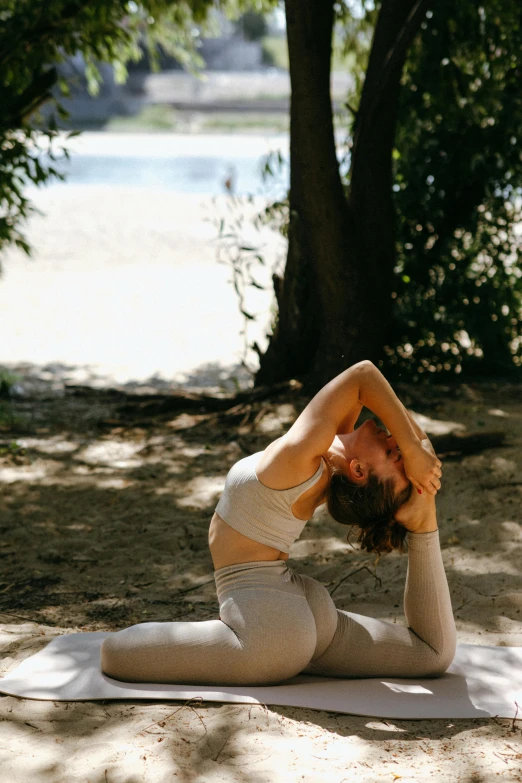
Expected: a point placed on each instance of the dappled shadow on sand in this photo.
(202, 741)
(104, 524)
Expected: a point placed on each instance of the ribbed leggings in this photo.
(275, 624)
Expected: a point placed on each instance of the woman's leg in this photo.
(365, 647)
(266, 633)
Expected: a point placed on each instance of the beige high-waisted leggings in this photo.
(275, 623)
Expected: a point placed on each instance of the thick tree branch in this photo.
(392, 61)
(374, 136)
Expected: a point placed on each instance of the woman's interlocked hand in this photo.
(422, 466)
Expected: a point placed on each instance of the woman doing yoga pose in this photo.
(275, 623)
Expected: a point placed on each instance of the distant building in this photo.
(231, 51)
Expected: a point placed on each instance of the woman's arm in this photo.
(417, 428)
(334, 410)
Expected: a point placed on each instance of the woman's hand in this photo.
(418, 514)
(422, 466)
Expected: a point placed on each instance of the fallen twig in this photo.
(161, 722)
(222, 748)
(191, 589)
(352, 573)
(265, 709)
(19, 617)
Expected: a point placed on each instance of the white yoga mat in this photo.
(481, 682)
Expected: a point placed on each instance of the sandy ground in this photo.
(104, 516)
(124, 284)
(104, 522)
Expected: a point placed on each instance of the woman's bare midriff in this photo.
(229, 547)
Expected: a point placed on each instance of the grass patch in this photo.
(7, 381)
(157, 117)
(164, 118)
(244, 121)
(275, 51)
(11, 448)
(8, 419)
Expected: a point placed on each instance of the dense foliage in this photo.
(458, 193)
(458, 166)
(458, 188)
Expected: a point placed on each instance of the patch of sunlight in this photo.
(38, 470)
(175, 467)
(483, 564)
(10, 635)
(500, 631)
(84, 470)
(335, 749)
(114, 483)
(510, 531)
(479, 635)
(436, 426)
(399, 687)
(269, 424)
(507, 625)
(286, 412)
(316, 546)
(201, 492)
(498, 412)
(163, 491)
(504, 467)
(381, 726)
(191, 451)
(112, 452)
(55, 445)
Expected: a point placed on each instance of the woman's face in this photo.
(371, 448)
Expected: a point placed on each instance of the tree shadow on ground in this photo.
(105, 524)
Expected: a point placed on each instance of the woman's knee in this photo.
(120, 650)
(110, 655)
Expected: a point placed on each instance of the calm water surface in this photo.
(186, 174)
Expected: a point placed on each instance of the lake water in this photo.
(185, 174)
(181, 163)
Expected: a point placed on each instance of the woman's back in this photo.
(256, 522)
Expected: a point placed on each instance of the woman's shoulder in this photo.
(283, 464)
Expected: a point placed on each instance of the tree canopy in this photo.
(412, 257)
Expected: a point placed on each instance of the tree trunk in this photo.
(319, 216)
(334, 299)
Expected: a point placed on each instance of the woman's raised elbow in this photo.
(364, 369)
(365, 365)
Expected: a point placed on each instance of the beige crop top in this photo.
(261, 513)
